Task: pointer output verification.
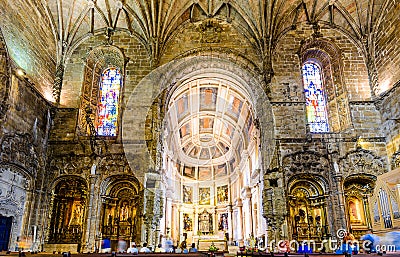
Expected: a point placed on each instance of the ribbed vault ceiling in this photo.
(155, 21)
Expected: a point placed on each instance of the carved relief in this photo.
(361, 162)
(210, 31)
(19, 149)
(395, 160)
(80, 164)
(305, 162)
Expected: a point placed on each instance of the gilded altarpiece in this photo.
(120, 218)
(307, 210)
(69, 211)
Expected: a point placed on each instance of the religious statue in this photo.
(187, 222)
(187, 194)
(223, 222)
(205, 222)
(76, 217)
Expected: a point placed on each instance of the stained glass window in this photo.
(317, 115)
(107, 109)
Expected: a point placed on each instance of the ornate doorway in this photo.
(69, 211)
(307, 207)
(122, 207)
(5, 230)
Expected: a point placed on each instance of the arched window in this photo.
(107, 108)
(317, 115)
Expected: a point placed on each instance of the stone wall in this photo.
(387, 54)
(31, 44)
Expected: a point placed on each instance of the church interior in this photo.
(233, 122)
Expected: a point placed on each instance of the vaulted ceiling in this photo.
(54, 28)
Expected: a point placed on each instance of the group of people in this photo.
(169, 248)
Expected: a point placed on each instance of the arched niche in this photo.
(171, 75)
(121, 210)
(307, 207)
(15, 185)
(357, 190)
(329, 58)
(68, 211)
(97, 61)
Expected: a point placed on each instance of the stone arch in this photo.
(307, 200)
(329, 57)
(5, 73)
(357, 188)
(168, 75)
(96, 62)
(68, 210)
(121, 209)
(16, 185)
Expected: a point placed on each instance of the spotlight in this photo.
(20, 73)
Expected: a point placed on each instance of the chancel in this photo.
(226, 124)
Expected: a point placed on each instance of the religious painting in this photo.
(235, 105)
(208, 98)
(229, 130)
(205, 154)
(184, 130)
(206, 124)
(194, 152)
(222, 194)
(220, 170)
(187, 194)
(187, 222)
(77, 214)
(182, 105)
(204, 195)
(354, 210)
(189, 171)
(204, 173)
(223, 221)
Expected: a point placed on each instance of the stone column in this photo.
(196, 221)
(339, 206)
(88, 239)
(239, 206)
(230, 223)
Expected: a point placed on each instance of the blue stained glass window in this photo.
(107, 109)
(317, 114)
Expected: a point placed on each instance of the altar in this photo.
(203, 244)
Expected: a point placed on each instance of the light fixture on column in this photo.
(20, 73)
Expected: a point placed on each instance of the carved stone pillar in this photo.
(92, 218)
(339, 206)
